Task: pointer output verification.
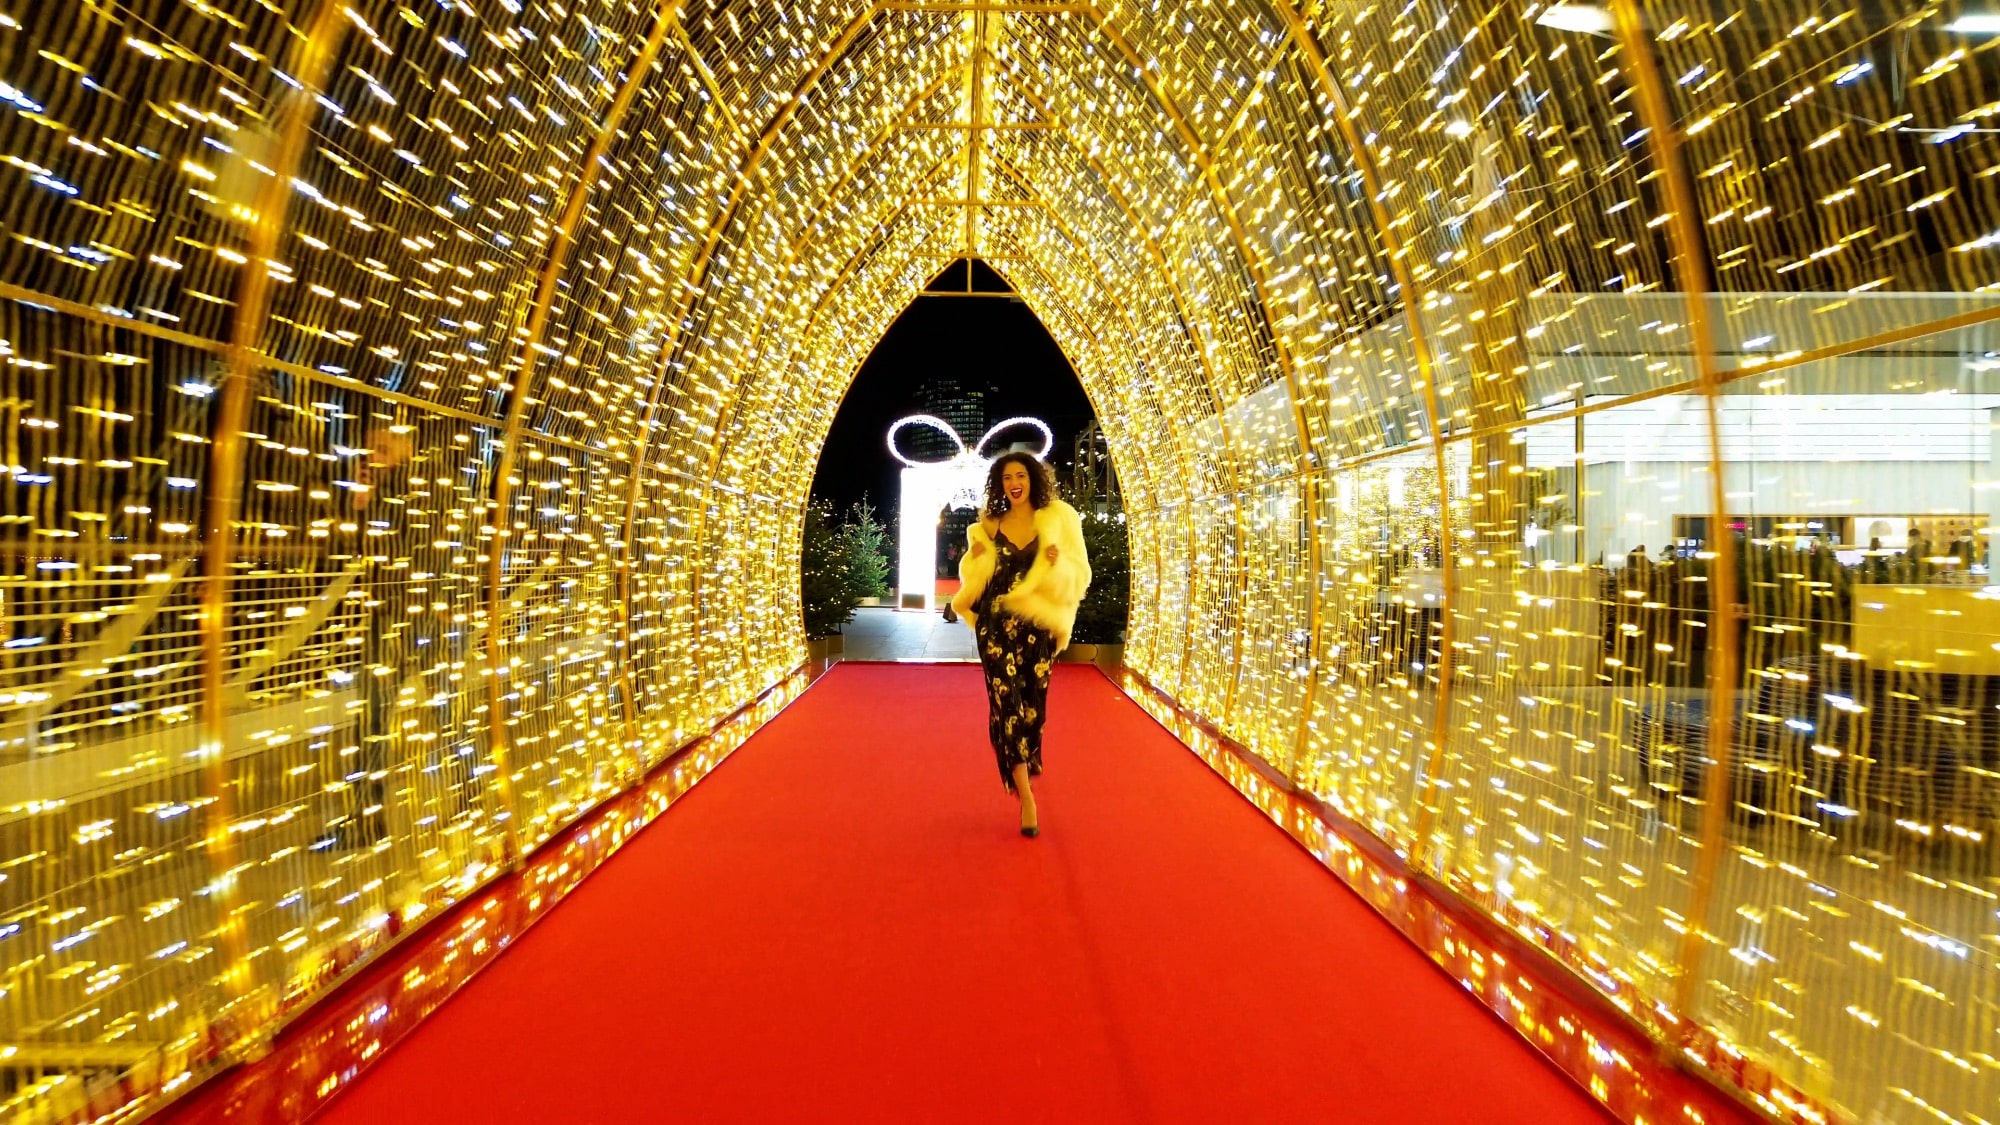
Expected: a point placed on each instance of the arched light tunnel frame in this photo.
(1047, 296)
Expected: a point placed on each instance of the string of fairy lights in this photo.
(1384, 311)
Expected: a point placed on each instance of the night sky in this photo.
(981, 341)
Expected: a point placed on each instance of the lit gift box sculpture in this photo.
(931, 487)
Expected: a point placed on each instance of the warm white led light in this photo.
(1976, 23)
(1589, 19)
(1048, 435)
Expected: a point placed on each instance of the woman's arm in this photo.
(978, 540)
(975, 569)
(1069, 568)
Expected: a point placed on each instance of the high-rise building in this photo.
(961, 405)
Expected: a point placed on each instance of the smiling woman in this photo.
(1025, 571)
(411, 414)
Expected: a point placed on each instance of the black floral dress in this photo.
(1016, 655)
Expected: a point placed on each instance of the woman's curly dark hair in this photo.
(1041, 483)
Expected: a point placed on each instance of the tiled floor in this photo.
(906, 634)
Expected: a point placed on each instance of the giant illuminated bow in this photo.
(967, 467)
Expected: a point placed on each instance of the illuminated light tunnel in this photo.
(1556, 443)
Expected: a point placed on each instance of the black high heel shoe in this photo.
(1031, 831)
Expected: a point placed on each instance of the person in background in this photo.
(1917, 558)
(1638, 568)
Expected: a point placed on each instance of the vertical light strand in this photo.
(698, 270)
(1222, 196)
(314, 55)
(498, 723)
(1690, 267)
(1184, 308)
(1413, 305)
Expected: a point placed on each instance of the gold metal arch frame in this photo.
(1558, 442)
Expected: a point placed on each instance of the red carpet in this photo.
(843, 925)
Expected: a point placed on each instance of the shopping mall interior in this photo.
(1555, 444)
